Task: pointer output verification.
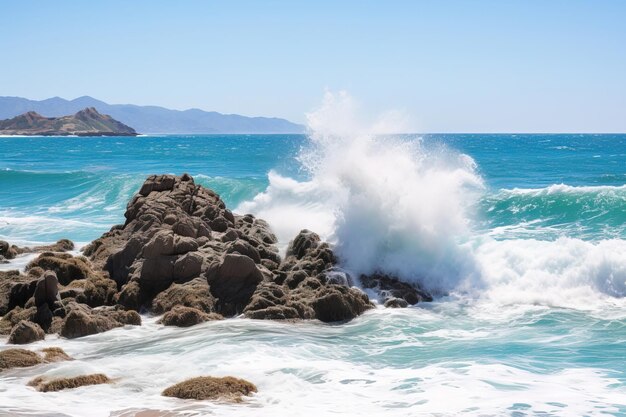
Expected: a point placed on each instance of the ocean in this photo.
(522, 239)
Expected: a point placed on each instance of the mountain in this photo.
(86, 122)
(151, 119)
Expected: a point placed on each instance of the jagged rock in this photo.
(11, 251)
(182, 316)
(307, 285)
(130, 296)
(63, 245)
(339, 303)
(97, 291)
(270, 302)
(396, 303)
(82, 321)
(194, 294)
(391, 287)
(15, 290)
(26, 332)
(6, 250)
(67, 267)
(166, 239)
(9, 320)
(210, 388)
(233, 281)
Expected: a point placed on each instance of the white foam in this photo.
(385, 203)
(567, 272)
(564, 188)
(309, 369)
(395, 205)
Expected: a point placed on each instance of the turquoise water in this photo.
(526, 244)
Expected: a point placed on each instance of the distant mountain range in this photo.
(151, 119)
(87, 122)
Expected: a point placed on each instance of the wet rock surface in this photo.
(226, 388)
(392, 290)
(22, 358)
(26, 332)
(182, 316)
(58, 384)
(83, 321)
(183, 254)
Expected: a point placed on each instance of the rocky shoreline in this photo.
(183, 254)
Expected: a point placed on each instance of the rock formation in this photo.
(57, 384)
(87, 122)
(210, 388)
(183, 254)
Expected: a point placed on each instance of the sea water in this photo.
(521, 237)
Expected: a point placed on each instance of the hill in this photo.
(86, 122)
(152, 119)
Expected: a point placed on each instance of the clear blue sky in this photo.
(453, 66)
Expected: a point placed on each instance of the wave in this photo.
(589, 212)
(567, 272)
(385, 203)
(43, 206)
(423, 213)
(385, 363)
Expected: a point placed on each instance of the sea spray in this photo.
(387, 203)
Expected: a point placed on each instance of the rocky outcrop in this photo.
(394, 292)
(194, 294)
(176, 235)
(308, 285)
(87, 122)
(57, 384)
(182, 316)
(55, 354)
(66, 267)
(21, 358)
(26, 332)
(83, 321)
(15, 290)
(183, 254)
(226, 388)
(6, 251)
(18, 358)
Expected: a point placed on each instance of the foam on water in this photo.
(530, 273)
(395, 363)
(385, 203)
(398, 206)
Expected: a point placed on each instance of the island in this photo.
(87, 122)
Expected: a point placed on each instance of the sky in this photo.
(449, 66)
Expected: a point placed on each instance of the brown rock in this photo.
(18, 358)
(15, 316)
(233, 281)
(82, 321)
(6, 250)
(210, 388)
(182, 316)
(396, 303)
(15, 290)
(98, 291)
(391, 287)
(194, 294)
(26, 332)
(58, 384)
(55, 354)
(66, 266)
